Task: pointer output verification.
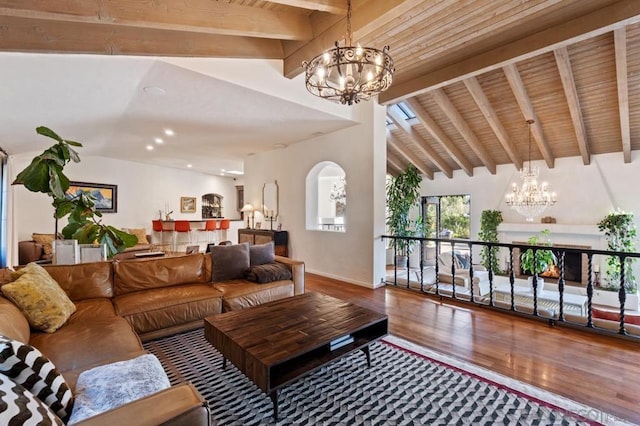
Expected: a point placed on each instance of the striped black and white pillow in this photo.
(26, 366)
(18, 406)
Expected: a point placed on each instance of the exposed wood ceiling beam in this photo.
(403, 151)
(330, 6)
(392, 170)
(463, 128)
(620, 42)
(195, 16)
(436, 132)
(368, 16)
(598, 22)
(24, 35)
(395, 161)
(520, 92)
(478, 95)
(570, 92)
(422, 145)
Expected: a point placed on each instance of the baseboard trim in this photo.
(347, 280)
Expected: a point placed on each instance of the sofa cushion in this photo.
(156, 309)
(40, 298)
(84, 280)
(260, 254)
(26, 366)
(18, 406)
(268, 272)
(229, 261)
(240, 294)
(13, 324)
(136, 275)
(46, 240)
(140, 233)
(109, 386)
(615, 316)
(97, 329)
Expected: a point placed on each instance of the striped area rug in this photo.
(405, 385)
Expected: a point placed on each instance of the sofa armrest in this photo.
(29, 251)
(178, 405)
(297, 270)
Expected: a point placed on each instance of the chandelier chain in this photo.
(349, 35)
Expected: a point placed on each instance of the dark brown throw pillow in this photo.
(259, 254)
(229, 262)
(268, 272)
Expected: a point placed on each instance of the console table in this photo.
(261, 236)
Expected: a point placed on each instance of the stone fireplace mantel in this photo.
(555, 228)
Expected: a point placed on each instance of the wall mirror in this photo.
(270, 200)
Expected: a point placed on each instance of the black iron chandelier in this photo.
(350, 73)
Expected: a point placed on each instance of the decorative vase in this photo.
(540, 284)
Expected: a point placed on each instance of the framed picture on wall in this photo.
(187, 204)
(105, 195)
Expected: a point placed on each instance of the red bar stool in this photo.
(159, 227)
(209, 229)
(181, 227)
(224, 226)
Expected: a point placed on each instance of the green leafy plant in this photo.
(403, 193)
(543, 258)
(489, 221)
(620, 231)
(45, 174)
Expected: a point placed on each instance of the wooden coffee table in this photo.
(278, 342)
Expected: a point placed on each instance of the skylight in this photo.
(405, 110)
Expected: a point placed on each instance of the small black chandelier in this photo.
(349, 74)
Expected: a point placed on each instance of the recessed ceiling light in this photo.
(235, 172)
(169, 132)
(149, 147)
(154, 90)
(189, 166)
(158, 140)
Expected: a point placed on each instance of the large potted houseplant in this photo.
(45, 174)
(537, 263)
(620, 231)
(403, 194)
(489, 221)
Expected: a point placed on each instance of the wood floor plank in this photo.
(597, 370)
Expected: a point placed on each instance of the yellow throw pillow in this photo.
(46, 240)
(141, 233)
(45, 305)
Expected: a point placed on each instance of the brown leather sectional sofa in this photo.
(120, 303)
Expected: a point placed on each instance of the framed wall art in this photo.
(105, 195)
(187, 204)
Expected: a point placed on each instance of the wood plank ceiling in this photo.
(472, 72)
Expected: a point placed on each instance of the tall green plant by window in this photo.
(489, 221)
(620, 231)
(403, 193)
(45, 174)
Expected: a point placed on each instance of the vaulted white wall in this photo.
(142, 191)
(585, 193)
(356, 255)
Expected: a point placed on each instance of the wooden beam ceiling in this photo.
(569, 85)
(195, 16)
(409, 156)
(330, 6)
(600, 21)
(620, 43)
(465, 130)
(520, 92)
(419, 142)
(492, 118)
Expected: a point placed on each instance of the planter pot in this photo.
(401, 261)
(540, 284)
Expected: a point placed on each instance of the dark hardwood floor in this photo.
(597, 370)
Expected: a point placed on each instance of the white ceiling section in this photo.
(101, 101)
